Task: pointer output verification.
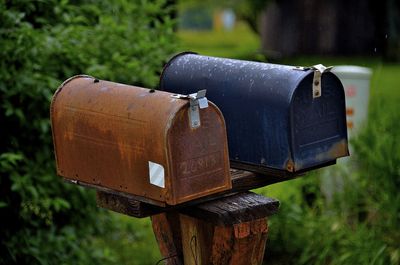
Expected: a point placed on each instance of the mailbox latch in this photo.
(319, 69)
(197, 101)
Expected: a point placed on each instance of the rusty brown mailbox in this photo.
(163, 147)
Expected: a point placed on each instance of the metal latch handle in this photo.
(319, 69)
(196, 101)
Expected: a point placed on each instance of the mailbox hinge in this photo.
(197, 101)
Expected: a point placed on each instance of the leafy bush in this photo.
(42, 43)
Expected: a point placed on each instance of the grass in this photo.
(239, 43)
(132, 243)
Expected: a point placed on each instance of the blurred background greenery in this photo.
(45, 221)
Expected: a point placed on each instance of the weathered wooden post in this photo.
(231, 229)
(225, 228)
(165, 155)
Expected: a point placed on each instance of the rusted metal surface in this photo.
(119, 137)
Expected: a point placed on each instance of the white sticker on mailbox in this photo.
(156, 172)
(203, 103)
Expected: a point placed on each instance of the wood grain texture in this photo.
(196, 240)
(222, 245)
(249, 244)
(227, 231)
(166, 228)
(240, 244)
(132, 206)
(239, 208)
(125, 204)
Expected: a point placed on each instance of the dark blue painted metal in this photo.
(274, 124)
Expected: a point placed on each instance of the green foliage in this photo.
(45, 221)
(250, 11)
(132, 242)
(223, 44)
(247, 10)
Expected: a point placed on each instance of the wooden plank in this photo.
(271, 175)
(242, 207)
(266, 171)
(133, 206)
(125, 204)
(119, 193)
(245, 180)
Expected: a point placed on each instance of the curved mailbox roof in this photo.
(274, 122)
(138, 141)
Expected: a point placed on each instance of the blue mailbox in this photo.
(281, 120)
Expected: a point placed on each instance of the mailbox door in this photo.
(198, 156)
(319, 133)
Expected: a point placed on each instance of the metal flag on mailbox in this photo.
(280, 119)
(165, 148)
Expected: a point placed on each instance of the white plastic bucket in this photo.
(356, 82)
